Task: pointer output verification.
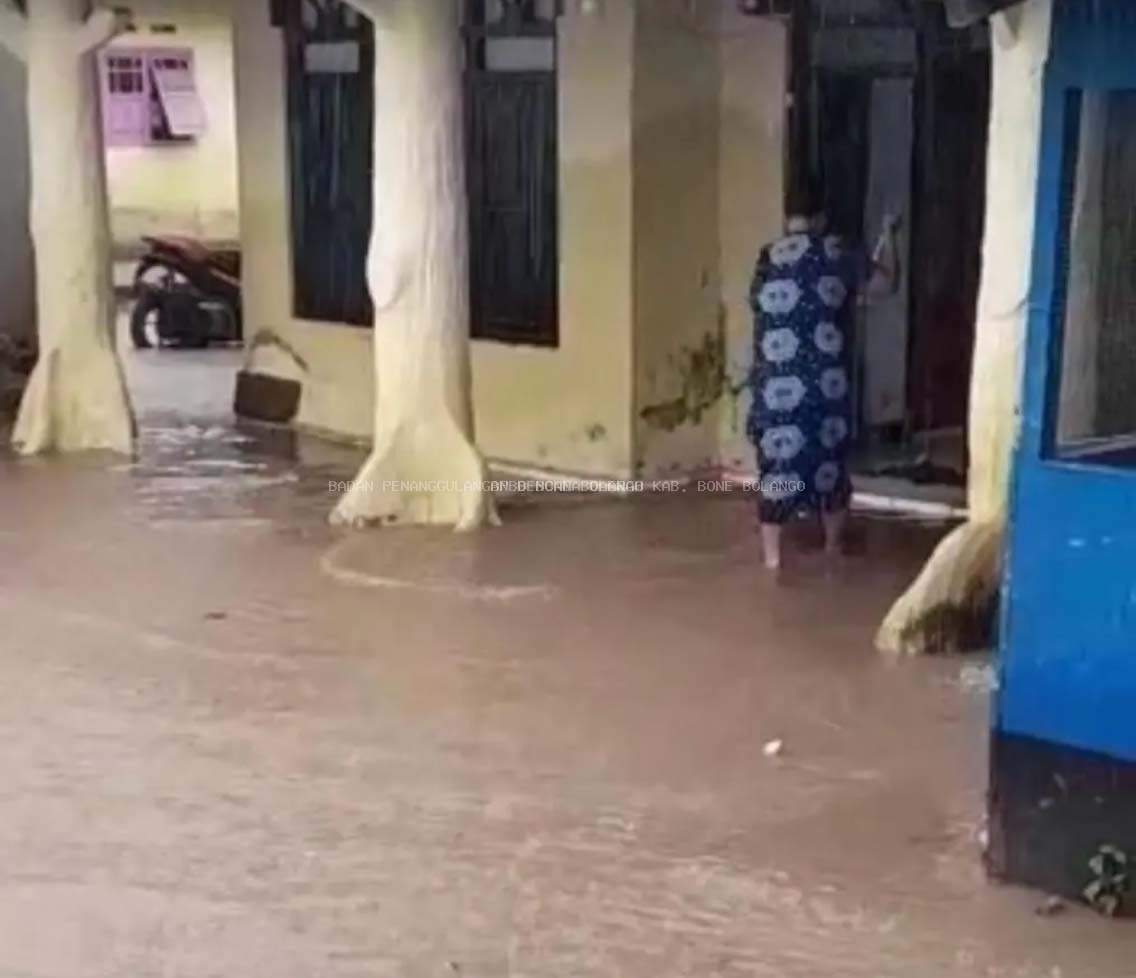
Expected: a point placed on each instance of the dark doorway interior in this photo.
(951, 203)
(843, 118)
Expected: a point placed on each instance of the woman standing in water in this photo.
(803, 298)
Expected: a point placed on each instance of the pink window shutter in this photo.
(122, 80)
(125, 121)
(176, 84)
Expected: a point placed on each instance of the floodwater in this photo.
(236, 741)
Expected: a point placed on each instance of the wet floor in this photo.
(236, 741)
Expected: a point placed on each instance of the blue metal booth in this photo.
(1063, 762)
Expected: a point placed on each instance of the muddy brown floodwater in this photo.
(237, 742)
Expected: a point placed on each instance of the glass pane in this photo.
(1097, 392)
(332, 58)
(520, 54)
(519, 11)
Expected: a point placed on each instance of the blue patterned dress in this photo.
(800, 420)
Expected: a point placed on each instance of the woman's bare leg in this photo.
(771, 545)
(834, 523)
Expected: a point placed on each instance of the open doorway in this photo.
(168, 108)
(892, 110)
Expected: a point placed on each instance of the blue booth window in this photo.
(1093, 395)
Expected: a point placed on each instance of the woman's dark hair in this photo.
(805, 197)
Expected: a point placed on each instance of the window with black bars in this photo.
(512, 169)
(330, 76)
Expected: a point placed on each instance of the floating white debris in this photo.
(773, 748)
(978, 678)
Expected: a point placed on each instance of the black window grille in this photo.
(512, 169)
(330, 72)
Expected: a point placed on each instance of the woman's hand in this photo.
(885, 250)
(885, 261)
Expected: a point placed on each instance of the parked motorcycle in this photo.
(186, 294)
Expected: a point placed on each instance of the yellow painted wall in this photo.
(17, 288)
(678, 341)
(754, 70)
(671, 147)
(567, 409)
(570, 408)
(190, 189)
(709, 161)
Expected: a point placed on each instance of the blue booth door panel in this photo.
(1068, 666)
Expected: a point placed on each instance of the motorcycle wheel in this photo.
(145, 320)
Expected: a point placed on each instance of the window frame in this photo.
(1108, 451)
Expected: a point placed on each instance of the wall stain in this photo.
(705, 378)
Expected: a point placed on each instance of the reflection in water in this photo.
(204, 470)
